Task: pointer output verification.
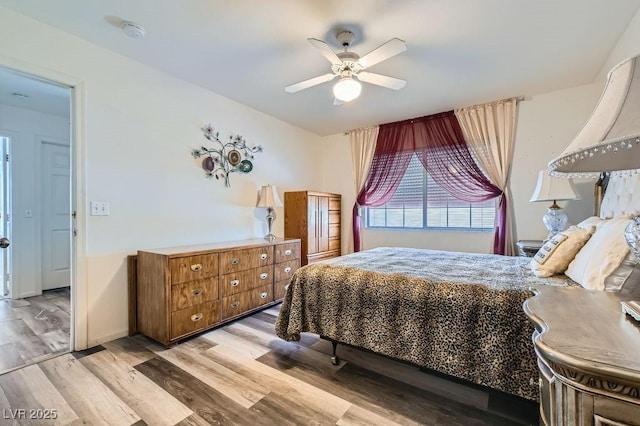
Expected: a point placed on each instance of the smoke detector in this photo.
(133, 30)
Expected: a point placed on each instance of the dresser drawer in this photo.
(280, 288)
(238, 282)
(191, 268)
(194, 318)
(334, 203)
(241, 302)
(193, 293)
(285, 270)
(334, 217)
(241, 260)
(334, 230)
(289, 251)
(316, 257)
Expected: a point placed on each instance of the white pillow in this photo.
(555, 255)
(592, 221)
(601, 255)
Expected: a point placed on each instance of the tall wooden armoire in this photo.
(315, 218)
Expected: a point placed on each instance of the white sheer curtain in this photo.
(363, 146)
(489, 130)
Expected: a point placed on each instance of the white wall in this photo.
(626, 47)
(546, 125)
(26, 128)
(141, 126)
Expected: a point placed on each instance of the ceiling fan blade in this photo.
(379, 54)
(309, 83)
(325, 50)
(381, 80)
(337, 102)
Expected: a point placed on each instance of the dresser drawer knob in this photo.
(196, 267)
(263, 295)
(264, 276)
(287, 252)
(196, 292)
(235, 261)
(287, 269)
(235, 283)
(196, 317)
(263, 256)
(235, 304)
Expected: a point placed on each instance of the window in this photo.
(420, 203)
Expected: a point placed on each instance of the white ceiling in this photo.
(460, 52)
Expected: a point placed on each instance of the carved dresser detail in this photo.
(182, 291)
(589, 357)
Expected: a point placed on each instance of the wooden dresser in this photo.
(181, 291)
(588, 355)
(314, 218)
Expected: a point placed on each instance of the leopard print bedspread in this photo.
(456, 313)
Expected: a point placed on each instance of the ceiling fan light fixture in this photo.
(347, 89)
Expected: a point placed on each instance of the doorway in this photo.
(36, 218)
(5, 234)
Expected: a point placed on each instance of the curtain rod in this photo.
(517, 98)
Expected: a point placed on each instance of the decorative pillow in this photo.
(555, 255)
(601, 255)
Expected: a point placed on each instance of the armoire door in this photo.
(323, 224)
(312, 224)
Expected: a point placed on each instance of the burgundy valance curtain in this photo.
(438, 142)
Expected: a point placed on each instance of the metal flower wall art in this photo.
(225, 158)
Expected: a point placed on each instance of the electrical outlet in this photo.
(99, 208)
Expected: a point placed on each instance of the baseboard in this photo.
(108, 338)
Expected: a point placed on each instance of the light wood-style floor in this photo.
(34, 328)
(243, 374)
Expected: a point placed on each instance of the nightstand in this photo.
(587, 352)
(529, 248)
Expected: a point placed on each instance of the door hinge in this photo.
(75, 232)
(73, 214)
(6, 157)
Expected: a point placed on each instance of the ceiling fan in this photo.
(350, 67)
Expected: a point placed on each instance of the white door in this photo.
(56, 218)
(5, 228)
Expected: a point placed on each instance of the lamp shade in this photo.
(610, 139)
(269, 197)
(550, 188)
(347, 89)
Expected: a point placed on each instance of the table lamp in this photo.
(269, 199)
(610, 139)
(553, 189)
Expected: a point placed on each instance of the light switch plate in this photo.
(99, 208)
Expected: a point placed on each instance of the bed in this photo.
(459, 314)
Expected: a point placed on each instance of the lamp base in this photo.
(555, 220)
(632, 235)
(270, 218)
